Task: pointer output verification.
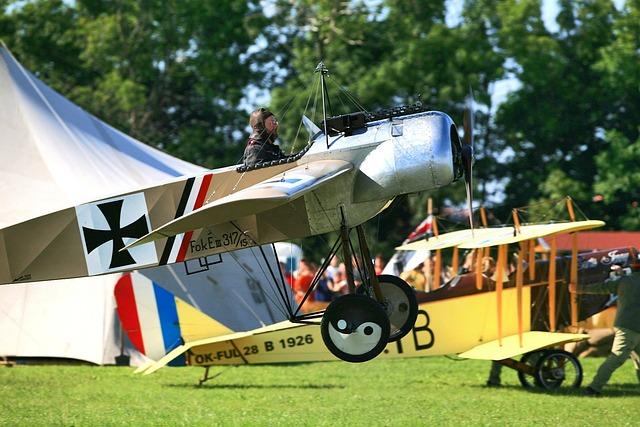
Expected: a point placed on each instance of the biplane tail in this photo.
(156, 321)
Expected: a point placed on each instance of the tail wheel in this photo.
(400, 304)
(558, 369)
(530, 359)
(355, 328)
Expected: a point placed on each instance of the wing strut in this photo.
(500, 269)
(366, 257)
(516, 224)
(437, 265)
(552, 284)
(346, 251)
(519, 281)
(478, 253)
(573, 278)
(532, 260)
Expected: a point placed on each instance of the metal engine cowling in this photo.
(420, 154)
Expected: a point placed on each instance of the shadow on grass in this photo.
(257, 386)
(622, 390)
(615, 390)
(535, 390)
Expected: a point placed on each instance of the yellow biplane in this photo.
(472, 315)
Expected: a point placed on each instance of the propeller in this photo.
(467, 154)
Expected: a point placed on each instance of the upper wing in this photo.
(527, 232)
(495, 236)
(270, 193)
(448, 240)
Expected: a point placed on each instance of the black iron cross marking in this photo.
(95, 238)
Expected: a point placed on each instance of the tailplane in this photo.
(156, 321)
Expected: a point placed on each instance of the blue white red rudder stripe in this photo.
(157, 321)
(149, 316)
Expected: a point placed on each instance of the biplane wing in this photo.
(496, 236)
(508, 235)
(268, 194)
(510, 346)
(507, 346)
(278, 343)
(447, 240)
(89, 239)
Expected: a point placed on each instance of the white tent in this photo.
(54, 155)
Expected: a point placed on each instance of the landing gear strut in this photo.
(357, 327)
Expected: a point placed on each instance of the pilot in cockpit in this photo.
(261, 145)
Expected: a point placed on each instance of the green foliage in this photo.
(554, 122)
(423, 391)
(171, 73)
(618, 65)
(534, 118)
(552, 205)
(619, 180)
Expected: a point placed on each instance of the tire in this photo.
(558, 369)
(400, 304)
(531, 359)
(355, 328)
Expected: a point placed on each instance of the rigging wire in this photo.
(348, 94)
(316, 280)
(360, 270)
(287, 309)
(282, 280)
(577, 207)
(275, 280)
(280, 307)
(547, 209)
(306, 107)
(244, 303)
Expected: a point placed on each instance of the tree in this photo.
(551, 123)
(618, 181)
(170, 73)
(618, 66)
(551, 206)
(387, 54)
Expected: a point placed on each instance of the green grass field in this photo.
(409, 392)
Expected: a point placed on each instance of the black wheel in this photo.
(558, 369)
(531, 359)
(400, 304)
(355, 328)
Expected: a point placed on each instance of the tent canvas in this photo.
(56, 155)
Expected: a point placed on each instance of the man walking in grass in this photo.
(626, 341)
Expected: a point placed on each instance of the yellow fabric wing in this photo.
(533, 340)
